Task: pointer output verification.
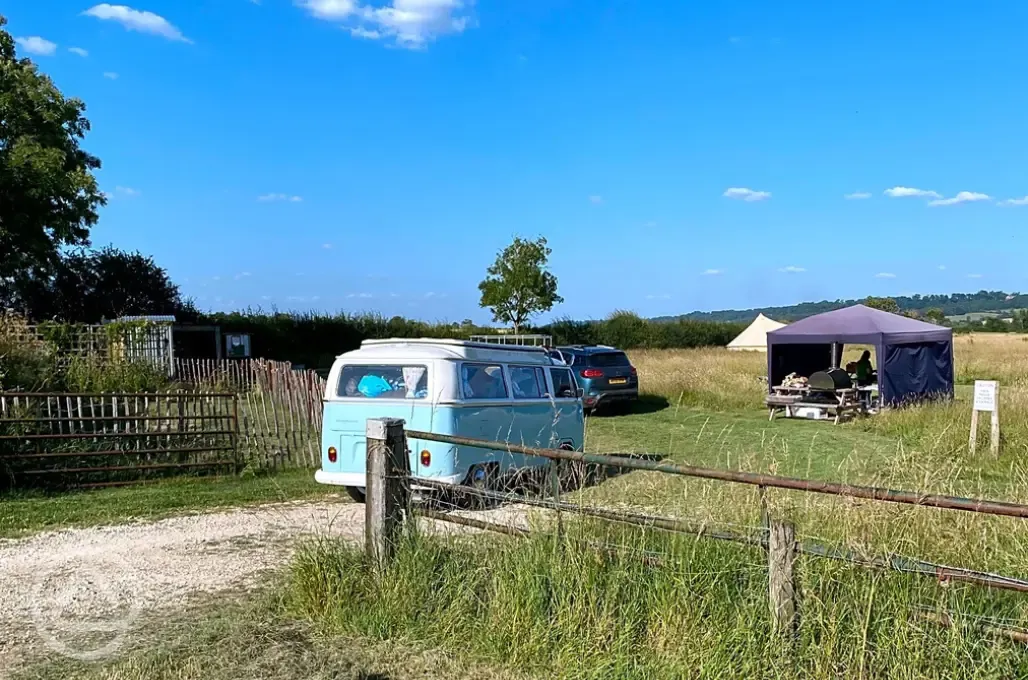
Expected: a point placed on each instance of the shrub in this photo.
(26, 362)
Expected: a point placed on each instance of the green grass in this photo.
(26, 512)
(554, 609)
(887, 453)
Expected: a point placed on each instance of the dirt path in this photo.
(80, 591)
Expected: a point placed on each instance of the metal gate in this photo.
(103, 439)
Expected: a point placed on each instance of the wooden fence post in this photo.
(387, 493)
(781, 558)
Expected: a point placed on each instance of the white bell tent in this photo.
(754, 338)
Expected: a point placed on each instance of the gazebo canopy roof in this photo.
(859, 324)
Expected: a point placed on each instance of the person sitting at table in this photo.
(865, 371)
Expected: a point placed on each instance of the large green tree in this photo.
(517, 285)
(48, 195)
(89, 286)
(886, 304)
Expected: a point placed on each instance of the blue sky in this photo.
(375, 154)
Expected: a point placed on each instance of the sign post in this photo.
(986, 398)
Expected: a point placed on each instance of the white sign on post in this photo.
(985, 395)
(986, 398)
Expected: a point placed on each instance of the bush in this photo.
(26, 362)
(38, 359)
(314, 339)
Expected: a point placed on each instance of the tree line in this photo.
(955, 304)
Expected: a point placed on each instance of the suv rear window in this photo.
(609, 359)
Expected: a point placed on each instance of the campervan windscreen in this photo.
(383, 382)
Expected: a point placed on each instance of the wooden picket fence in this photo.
(280, 419)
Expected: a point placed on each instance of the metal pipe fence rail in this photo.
(389, 482)
(51, 439)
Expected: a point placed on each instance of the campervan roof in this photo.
(434, 348)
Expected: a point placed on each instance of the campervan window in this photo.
(528, 382)
(383, 382)
(481, 381)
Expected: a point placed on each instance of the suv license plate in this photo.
(618, 381)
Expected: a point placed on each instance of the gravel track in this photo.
(80, 591)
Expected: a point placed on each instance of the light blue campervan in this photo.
(500, 393)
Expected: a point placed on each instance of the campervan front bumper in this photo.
(360, 480)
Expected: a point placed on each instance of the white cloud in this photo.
(242, 275)
(110, 75)
(267, 198)
(137, 20)
(942, 267)
(596, 199)
(265, 297)
(331, 10)
(961, 197)
(906, 192)
(79, 51)
(33, 44)
(410, 23)
(857, 196)
(712, 272)
(361, 32)
(744, 194)
(127, 192)
(362, 296)
(885, 275)
(792, 269)
(974, 276)
(1015, 201)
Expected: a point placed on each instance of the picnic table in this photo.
(788, 399)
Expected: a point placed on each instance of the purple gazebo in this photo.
(914, 358)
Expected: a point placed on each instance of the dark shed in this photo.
(915, 358)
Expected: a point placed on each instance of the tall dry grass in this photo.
(721, 380)
(921, 448)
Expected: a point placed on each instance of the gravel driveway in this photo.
(80, 591)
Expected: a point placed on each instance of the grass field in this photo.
(547, 608)
(554, 609)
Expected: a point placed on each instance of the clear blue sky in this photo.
(398, 144)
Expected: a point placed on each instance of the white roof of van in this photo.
(433, 348)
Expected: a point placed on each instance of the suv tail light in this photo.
(634, 371)
(592, 373)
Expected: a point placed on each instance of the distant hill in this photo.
(957, 304)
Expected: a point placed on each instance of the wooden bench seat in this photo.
(777, 403)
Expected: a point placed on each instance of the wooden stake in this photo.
(387, 489)
(994, 429)
(781, 557)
